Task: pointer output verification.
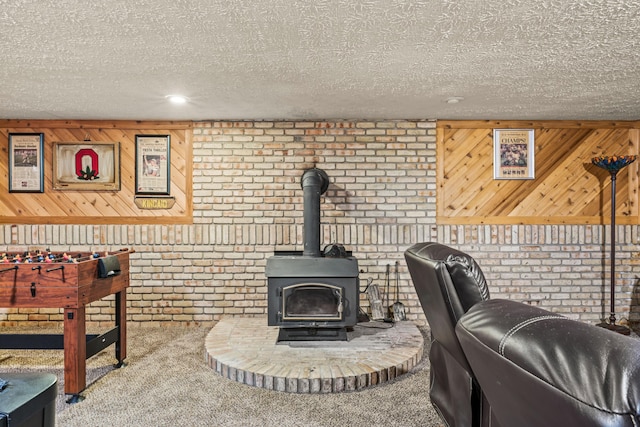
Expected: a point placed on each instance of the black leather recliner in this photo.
(448, 283)
(504, 363)
(537, 368)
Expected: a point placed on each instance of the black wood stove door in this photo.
(312, 301)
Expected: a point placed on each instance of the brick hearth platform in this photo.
(245, 350)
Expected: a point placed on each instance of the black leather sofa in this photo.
(524, 366)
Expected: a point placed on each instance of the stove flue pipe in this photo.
(314, 183)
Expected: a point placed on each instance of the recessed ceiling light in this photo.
(454, 99)
(176, 99)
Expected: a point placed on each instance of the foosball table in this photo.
(70, 281)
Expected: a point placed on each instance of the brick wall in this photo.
(562, 268)
(248, 203)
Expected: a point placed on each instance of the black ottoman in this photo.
(28, 400)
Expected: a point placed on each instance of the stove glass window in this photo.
(312, 301)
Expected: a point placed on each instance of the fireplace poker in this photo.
(398, 307)
(389, 317)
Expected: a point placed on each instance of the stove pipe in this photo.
(314, 183)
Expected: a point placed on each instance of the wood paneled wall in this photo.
(567, 188)
(98, 207)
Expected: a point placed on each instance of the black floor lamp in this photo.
(613, 165)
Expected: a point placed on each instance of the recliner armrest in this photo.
(539, 368)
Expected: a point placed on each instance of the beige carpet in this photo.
(166, 382)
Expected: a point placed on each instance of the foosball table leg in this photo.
(121, 323)
(75, 350)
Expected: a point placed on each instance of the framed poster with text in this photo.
(26, 158)
(513, 154)
(153, 164)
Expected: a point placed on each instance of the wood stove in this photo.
(313, 295)
(312, 298)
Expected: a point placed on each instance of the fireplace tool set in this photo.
(392, 313)
(398, 308)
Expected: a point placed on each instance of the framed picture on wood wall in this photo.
(513, 154)
(86, 165)
(153, 164)
(26, 159)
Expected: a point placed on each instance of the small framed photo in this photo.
(87, 165)
(26, 159)
(513, 154)
(153, 164)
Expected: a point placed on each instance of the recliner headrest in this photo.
(466, 275)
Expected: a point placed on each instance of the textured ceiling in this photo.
(320, 59)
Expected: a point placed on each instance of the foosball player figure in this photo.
(68, 258)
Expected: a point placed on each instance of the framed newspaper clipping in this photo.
(26, 158)
(513, 154)
(153, 164)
